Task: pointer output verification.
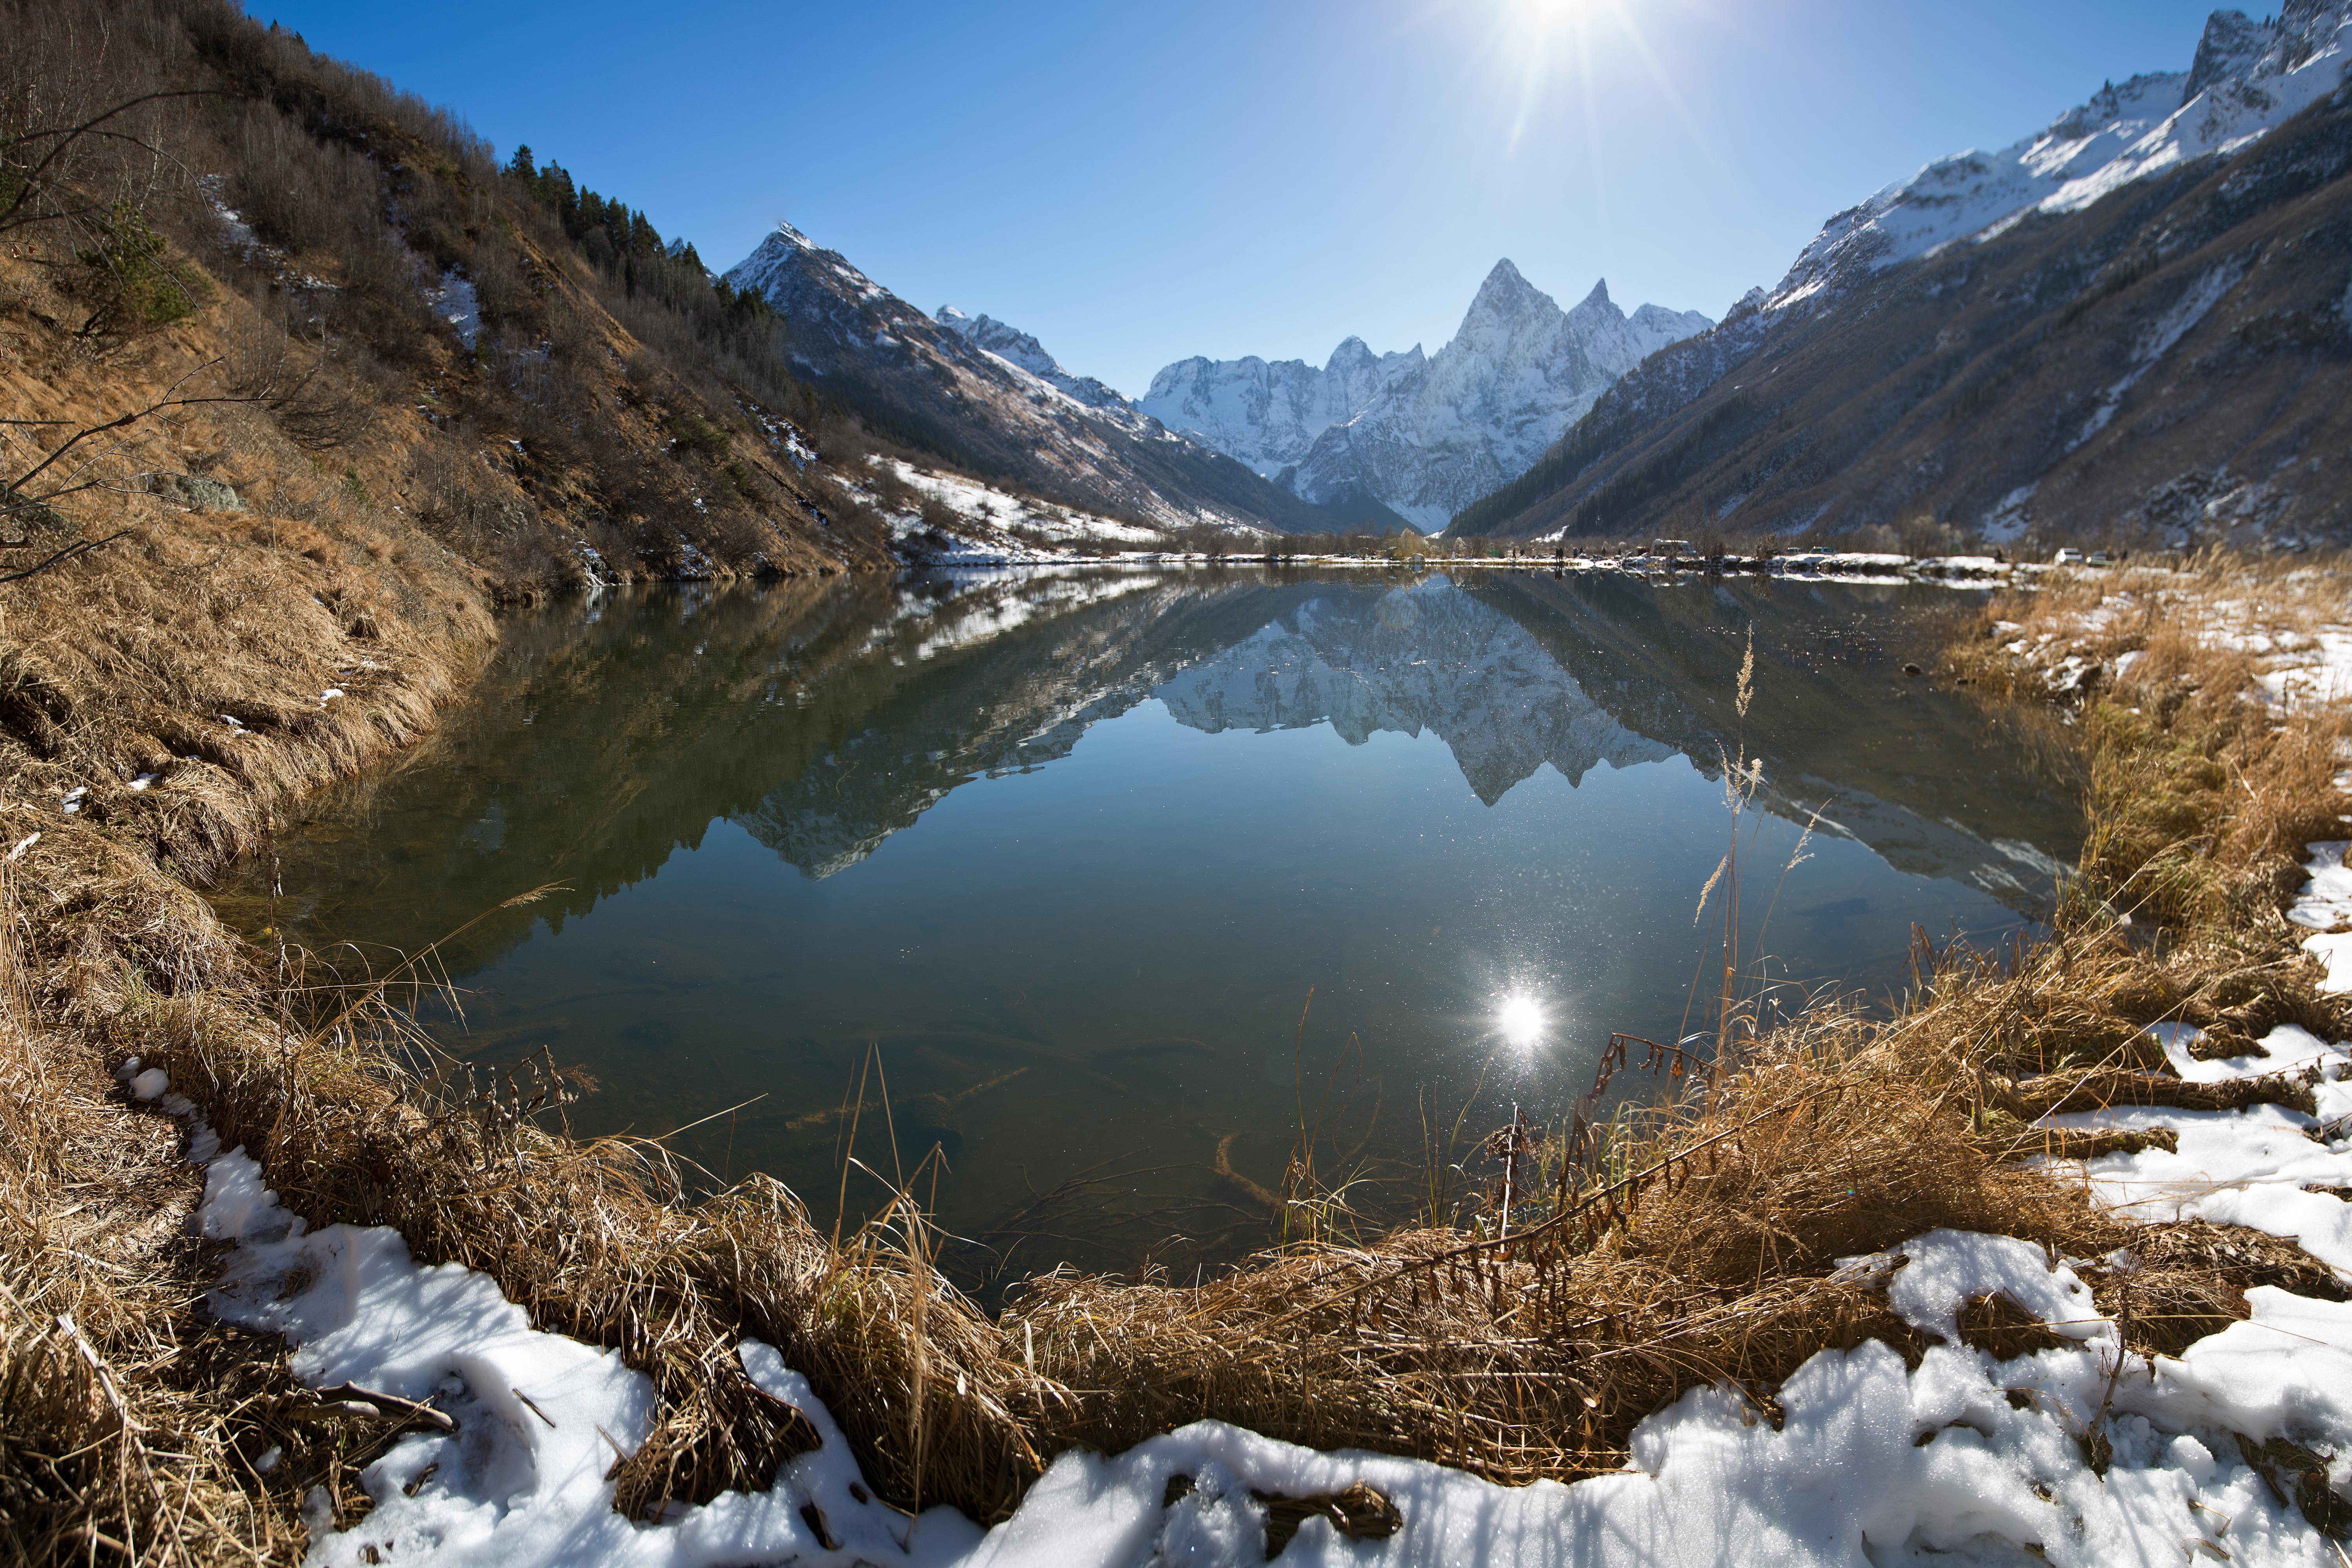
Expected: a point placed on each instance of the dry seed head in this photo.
(1707, 891)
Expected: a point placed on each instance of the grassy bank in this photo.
(1693, 1242)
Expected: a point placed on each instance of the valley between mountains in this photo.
(657, 912)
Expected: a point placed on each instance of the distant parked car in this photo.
(2099, 558)
(2069, 558)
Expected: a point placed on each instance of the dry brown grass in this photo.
(103, 1449)
(1694, 1242)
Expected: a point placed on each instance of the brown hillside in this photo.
(2170, 365)
(288, 231)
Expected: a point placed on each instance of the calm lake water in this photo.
(1064, 854)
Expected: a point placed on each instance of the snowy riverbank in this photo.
(1864, 1460)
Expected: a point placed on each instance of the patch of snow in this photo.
(2245, 1167)
(540, 1417)
(457, 306)
(2161, 335)
(2320, 671)
(2007, 520)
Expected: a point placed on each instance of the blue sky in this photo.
(1135, 184)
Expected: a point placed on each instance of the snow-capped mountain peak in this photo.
(1421, 436)
(1015, 346)
(2248, 77)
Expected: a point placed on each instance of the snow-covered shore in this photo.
(2081, 1452)
(1869, 1461)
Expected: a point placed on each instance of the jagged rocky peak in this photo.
(1267, 413)
(1506, 296)
(1417, 433)
(1010, 343)
(999, 338)
(2231, 43)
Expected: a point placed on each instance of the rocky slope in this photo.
(2130, 324)
(988, 400)
(1421, 436)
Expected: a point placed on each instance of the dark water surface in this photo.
(1071, 849)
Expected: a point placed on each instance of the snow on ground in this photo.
(784, 436)
(2319, 670)
(995, 508)
(1967, 1454)
(2249, 1167)
(454, 303)
(995, 528)
(2298, 629)
(1966, 1457)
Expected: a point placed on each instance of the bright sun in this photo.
(1547, 15)
(1520, 1019)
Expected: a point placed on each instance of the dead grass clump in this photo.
(2177, 834)
(2183, 1279)
(720, 1432)
(1995, 1321)
(95, 1454)
(2056, 1092)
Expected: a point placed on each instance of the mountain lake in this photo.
(1115, 876)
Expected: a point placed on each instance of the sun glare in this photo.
(1520, 1020)
(1547, 12)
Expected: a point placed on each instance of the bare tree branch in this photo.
(80, 547)
(35, 177)
(11, 490)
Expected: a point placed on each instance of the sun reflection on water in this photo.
(1519, 1019)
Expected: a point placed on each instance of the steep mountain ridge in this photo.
(2248, 77)
(1969, 348)
(989, 399)
(1012, 344)
(1267, 412)
(1420, 435)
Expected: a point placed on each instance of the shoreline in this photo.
(317, 1110)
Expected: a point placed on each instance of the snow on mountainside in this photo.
(1421, 436)
(991, 400)
(1019, 348)
(2248, 77)
(2160, 360)
(1267, 414)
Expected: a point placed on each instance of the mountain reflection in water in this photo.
(1069, 850)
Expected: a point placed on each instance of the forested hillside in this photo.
(521, 368)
